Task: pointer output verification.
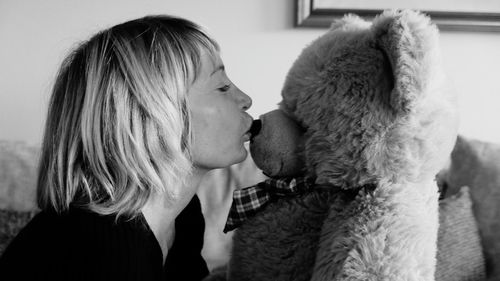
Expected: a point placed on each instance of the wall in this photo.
(259, 43)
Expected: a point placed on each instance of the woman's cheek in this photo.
(205, 118)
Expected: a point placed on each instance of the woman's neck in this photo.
(160, 212)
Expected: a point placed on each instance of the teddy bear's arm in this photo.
(385, 234)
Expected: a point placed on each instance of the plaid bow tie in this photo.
(248, 201)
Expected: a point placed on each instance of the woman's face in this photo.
(219, 120)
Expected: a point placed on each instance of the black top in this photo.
(82, 245)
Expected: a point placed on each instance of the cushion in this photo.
(476, 164)
(18, 172)
(459, 255)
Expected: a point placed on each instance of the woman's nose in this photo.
(244, 100)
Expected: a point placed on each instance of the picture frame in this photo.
(478, 15)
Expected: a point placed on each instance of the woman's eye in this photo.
(224, 88)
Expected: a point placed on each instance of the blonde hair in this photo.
(118, 127)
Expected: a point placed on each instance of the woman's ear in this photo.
(409, 40)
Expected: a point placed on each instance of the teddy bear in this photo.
(365, 123)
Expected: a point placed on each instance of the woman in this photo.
(138, 114)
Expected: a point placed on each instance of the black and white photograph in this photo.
(234, 140)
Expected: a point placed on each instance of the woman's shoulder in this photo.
(42, 228)
(79, 225)
(65, 243)
(32, 248)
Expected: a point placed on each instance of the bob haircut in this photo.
(118, 127)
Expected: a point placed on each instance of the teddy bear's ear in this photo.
(349, 22)
(409, 40)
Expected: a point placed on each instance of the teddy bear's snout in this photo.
(255, 128)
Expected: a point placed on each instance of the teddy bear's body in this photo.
(377, 125)
(297, 238)
(282, 242)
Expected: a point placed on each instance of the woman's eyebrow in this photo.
(218, 68)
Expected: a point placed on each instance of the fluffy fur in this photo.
(372, 101)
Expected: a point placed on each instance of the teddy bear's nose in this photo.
(255, 128)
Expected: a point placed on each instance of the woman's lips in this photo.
(247, 137)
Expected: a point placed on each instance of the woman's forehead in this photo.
(210, 63)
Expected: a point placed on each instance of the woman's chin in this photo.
(228, 159)
(243, 155)
(240, 155)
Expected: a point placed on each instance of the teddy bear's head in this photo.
(369, 103)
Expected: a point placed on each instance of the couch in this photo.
(469, 232)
